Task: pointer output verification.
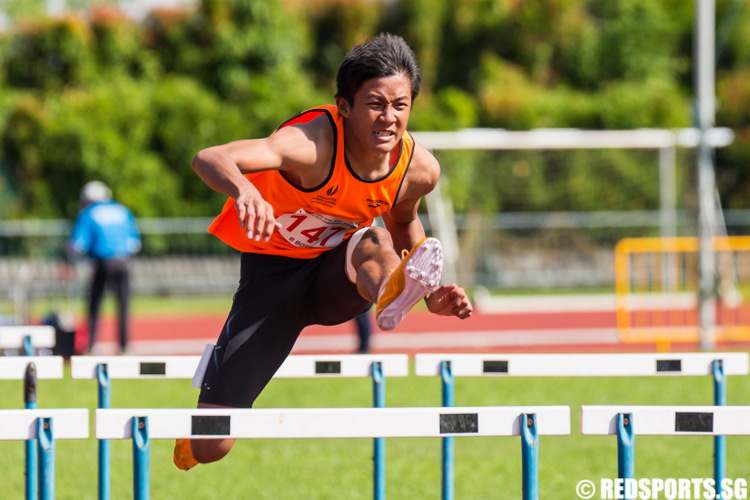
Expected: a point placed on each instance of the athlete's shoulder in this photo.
(424, 168)
(309, 141)
(326, 113)
(315, 125)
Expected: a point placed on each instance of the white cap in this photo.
(95, 191)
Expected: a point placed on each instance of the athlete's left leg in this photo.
(190, 452)
(371, 256)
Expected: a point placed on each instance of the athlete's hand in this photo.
(449, 300)
(255, 215)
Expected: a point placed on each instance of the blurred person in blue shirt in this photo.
(107, 233)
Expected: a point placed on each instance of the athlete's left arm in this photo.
(402, 221)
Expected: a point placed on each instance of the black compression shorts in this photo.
(277, 297)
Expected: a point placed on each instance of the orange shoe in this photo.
(417, 276)
(183, 455)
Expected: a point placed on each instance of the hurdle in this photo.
(44, 426)
(30, 369)
(449, 366)
(142, 425)
(29, 338)
(628, 421)
(106, 368)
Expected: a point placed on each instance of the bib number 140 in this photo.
(313, 230)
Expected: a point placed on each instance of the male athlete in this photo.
(301, 203)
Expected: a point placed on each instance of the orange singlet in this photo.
(318, 219)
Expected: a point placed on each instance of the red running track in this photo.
(534, 331)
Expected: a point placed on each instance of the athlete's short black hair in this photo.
(384, 55)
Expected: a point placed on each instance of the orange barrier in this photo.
(657, 284)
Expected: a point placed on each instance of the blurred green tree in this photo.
(97, 95)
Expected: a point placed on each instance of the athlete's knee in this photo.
(373, 259)
(375, 240)
(210, 450)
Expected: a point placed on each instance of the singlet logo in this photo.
(374, 203)
(329, 200)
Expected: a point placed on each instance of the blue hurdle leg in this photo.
(530, 454)
(720, 442)
(29, 398)
(28, 348)
(102, 376)
(31, 472)
(141, 459)
(46, 459)
(378, 391)
(625, 449)
(448, 393)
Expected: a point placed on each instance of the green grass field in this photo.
(485, 468)
(141, 305)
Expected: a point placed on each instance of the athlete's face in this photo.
(380, 111)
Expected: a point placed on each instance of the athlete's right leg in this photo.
(267, 315)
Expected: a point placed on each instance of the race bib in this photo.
(313, 230)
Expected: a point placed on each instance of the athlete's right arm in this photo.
(223, 169)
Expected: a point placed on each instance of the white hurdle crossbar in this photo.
(668, 420)
(47, 367)
(628, 421)
(43, 427)
(582, 365)
(295, 366)
(134, 367)
(105, 368)
(330, 423)
(449, 366)
(27, 337)
(144, 424)
(21, 425)
(342, 365)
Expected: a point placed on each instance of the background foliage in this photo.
(95, 95)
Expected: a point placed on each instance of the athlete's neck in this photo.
(370, 165)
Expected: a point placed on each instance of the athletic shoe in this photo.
(417, 276)
(183, 455)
